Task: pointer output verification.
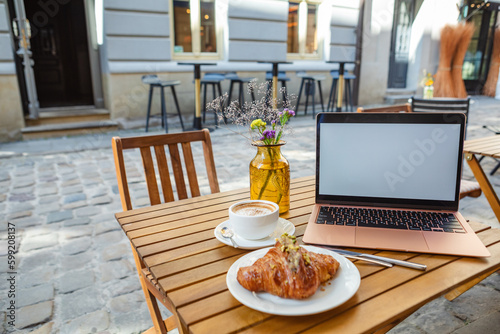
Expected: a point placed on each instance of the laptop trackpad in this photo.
(390, 239)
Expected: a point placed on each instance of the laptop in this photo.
(391, 181)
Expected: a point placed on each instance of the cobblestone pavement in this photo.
(61, 195)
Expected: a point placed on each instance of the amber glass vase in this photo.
(270, 175)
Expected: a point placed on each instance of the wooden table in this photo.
(197, 89)
(275, 78)
(176, 241)
(488, 147)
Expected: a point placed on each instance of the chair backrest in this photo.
(395, 108)
(158, 143)
(440, 104)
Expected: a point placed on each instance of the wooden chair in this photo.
(467, 188)
(158, 143)
(442, 105)
(393, 109)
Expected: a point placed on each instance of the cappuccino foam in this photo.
(253, 209)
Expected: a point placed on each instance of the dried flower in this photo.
(262, 121)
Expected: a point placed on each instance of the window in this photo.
(303, 29)
(194, 28)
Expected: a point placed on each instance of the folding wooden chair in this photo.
(157, 144)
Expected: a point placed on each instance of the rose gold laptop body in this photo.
(410, 161)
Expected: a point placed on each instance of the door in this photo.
(478, 57)
(64, 71)
(400, 43)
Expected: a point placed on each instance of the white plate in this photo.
(282, 227)
(342, 287)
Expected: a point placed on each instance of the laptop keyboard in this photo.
(395, 219)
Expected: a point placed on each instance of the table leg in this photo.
(485, 184)
(340, 93)
(197, 104)
(275, 86)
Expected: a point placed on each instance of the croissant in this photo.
(288, 271)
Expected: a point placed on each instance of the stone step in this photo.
(68, 115)
(65, 129)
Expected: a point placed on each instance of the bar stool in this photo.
(282, 78)
(214, 80)
(153, 81)
(308, 84)
(235, 79)
(348, 77)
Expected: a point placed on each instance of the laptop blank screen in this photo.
(389, 162)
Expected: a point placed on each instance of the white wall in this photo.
(136, 34)
(378, 17)
(425, 36)
(7, 65)
(344, 17)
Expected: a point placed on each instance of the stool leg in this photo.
(321, 96)
(334, 101)
(163, 109)
(307, 92)
(330, 97)
(313, 93)
(215, 112)
(241, 97)
(300, 93)
(204, 100)
(149, 106)
(252, 93)
(268, 92)
(283, 85)
(172, 88)
(349, 94)
(230, 93)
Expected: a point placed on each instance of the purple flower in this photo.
(268, 134)
(280, 114)
(291, 113)
(273, 122)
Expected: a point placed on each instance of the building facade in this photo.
(91, 54)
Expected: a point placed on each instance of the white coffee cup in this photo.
(254, 219)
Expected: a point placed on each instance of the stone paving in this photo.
(74, 268)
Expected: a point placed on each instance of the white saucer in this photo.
(282, 227)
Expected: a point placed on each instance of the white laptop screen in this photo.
(389, 160)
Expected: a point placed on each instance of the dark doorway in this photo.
(477, 59)
(400, 43)
(60, 53)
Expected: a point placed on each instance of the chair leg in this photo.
(300, 93)
(149, 107)
(494, 170)
(321, 96)
(151, 302)
(252, 94)
(172, 88)
(330, 97)
(163, 109)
